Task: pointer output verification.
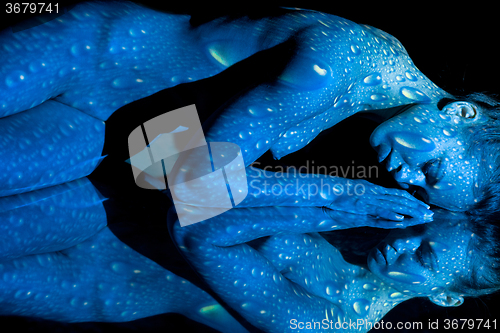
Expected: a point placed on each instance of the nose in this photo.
(408, 175)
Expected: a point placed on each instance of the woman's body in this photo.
(91, 77)
(296, 279)
(316, 69)
(69, 255)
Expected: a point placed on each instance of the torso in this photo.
(310, 262)
(338, 67)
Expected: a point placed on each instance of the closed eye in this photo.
(433, 171)
(426, 256)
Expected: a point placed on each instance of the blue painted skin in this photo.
(49, 267)
(128, 52)
(69, 85)
(296, 276)
(60, 261)
(426, 149)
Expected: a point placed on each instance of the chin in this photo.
(448, 207)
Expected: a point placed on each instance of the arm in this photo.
(267, 188)
(239, 226)
(246, 280)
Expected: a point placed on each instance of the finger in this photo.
(420, 213)
(386, 213)
(394, 210)
(402, 193)
(404, 202)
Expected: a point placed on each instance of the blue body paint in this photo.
(62, 80)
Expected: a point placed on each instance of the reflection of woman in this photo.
(304, 72)
(296, 279)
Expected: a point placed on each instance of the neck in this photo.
(370, 298)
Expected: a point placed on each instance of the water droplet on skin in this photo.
(306, 73)
(240, 284)
(437, 289)
(438, 246)
(332, 289)
(449, 131)
(406, 277)
(257, 273)
(178, 79)
(260, 111)
(80, 49)
(355, 49)
(369, 286)
(9, 277)
(23, 294)
(119, 267)
(420, 120)
(373, 79)
(414, 94)
(66, 285)
(410, 76)
(225, 52)
(211, 310)
(65, 71)
(361, 306)
(378, 97)
(37, 65)
(67, 128)
(125, 82)
(444, 186)
(413, 141)
(116, 49)
(234, 230)
(15, 78)
(444, 117)
(400, 78)
(341, 103)
(249, 306)
(136, 32)
(395, 295)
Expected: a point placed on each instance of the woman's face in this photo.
(425, 148)
(422, 260)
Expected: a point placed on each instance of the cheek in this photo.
(448, 199)
(455, 191)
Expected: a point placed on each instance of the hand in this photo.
(363, 197)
